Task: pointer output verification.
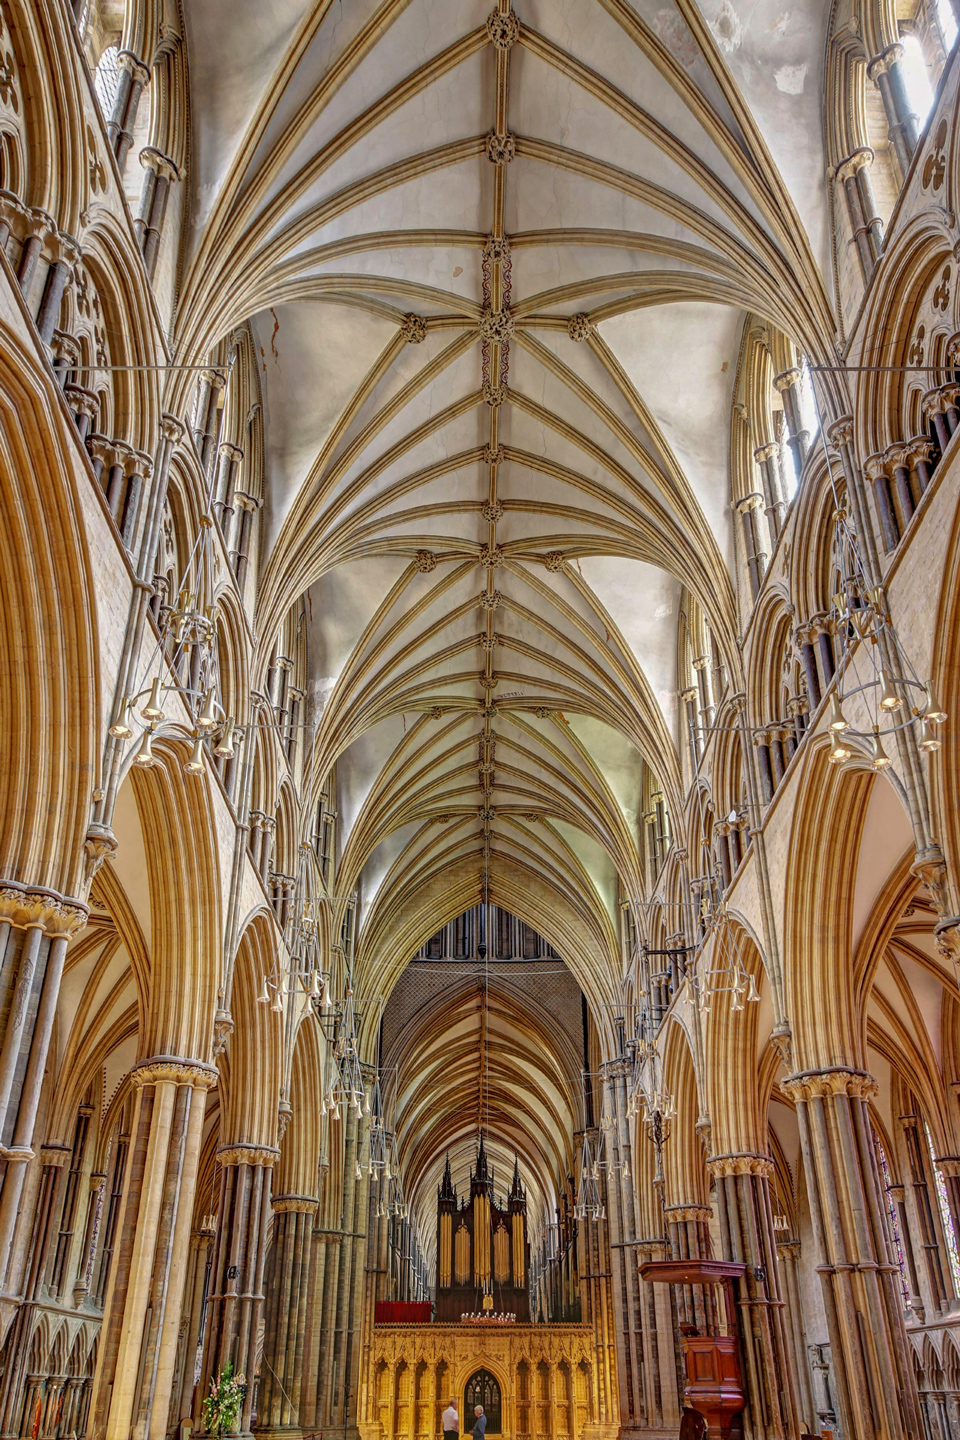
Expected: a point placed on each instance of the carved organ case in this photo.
(483, 1258)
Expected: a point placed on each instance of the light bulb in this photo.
(224, 747)
(207, 719)
(120, 730)
(195, 765)
(889, 699)
(879, 759)
(839, 752)
(836, 720)
(932, 711)
(336, 1111)
(264, 997)
(153, 710)
(145, 756)
(929, 739)
(325, 1000)
(277, 1006)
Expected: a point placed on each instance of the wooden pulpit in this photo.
(714, 1383)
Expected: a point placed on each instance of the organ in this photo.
(483, 1255)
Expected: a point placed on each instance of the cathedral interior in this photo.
(479, 714)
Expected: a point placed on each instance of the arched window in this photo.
(106, 78)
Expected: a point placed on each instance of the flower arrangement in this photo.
(223, 1406)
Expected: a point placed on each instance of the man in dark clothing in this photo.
(480, 1424)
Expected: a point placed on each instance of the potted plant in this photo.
(223, 1407)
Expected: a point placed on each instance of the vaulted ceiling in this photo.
(497, 266)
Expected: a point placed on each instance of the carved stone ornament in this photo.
(823, 1084)
(680, 1214)
(490, 601)
(579, 327)
(248, 1155)
(489, 642)
(443, 819)
(436, 712)
(554, 561)
(284, 1116)
(425, 561)
(489, 682)
(501, 149)
(297, 1204)
(493, 510)
(496, 250)
(503, 30)
(532, 818)
(491, 557)
(170, 1070)
(935, 165)
(782, 1043)
(497, 325)
(743, 1164)
(222, 1030)
(414, 329)
(99, 843)
(494, 395)
(543, 712)
(487, 813)
(41, 910)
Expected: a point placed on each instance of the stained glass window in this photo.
(945, 1215)
(894, 1218)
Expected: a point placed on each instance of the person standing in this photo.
(450, 1421)
(480, 1423)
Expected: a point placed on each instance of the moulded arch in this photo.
(252, 1069)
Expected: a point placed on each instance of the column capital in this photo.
(766, 451)
(752, 501)
(160, 164)
(822, 1084)
(230, 451)
(948, 1164)
(295, 1204)
(173, 1070)
(29, 908)
(787, 379)
(840, 433)
(214, 378)
(248, 1155)
(54, 1155)
(171, 428)
(855, 161)
(788, 1249)
(63, 248)
(702, 1214)
(881, 63)
(137, 68)
(745, 1162)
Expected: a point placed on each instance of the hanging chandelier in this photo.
(179, 685)
(589, 1203)
(304, 965)
(874, 675)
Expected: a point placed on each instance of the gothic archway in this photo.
(483, 1389)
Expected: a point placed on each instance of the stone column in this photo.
(159, 174)
(13, 215)
(286, 1317)
(886, 71)
(853, 174)
(235, 1300)
(688, 1230)
(742, 1184)
(753, 544)
(205, 433)
(37, 227)
(247, 505)
(35, 926)
(868, 1343)
(773, 503)
(134, 75)
(788, 1254)
(788, 384)
(875, 468)
(65, 252)
(135, 1366)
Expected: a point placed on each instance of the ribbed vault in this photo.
(497, 266)
(483, 1043)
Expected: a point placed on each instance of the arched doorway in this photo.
(482, 1389)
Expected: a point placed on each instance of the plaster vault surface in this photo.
(497, 265)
